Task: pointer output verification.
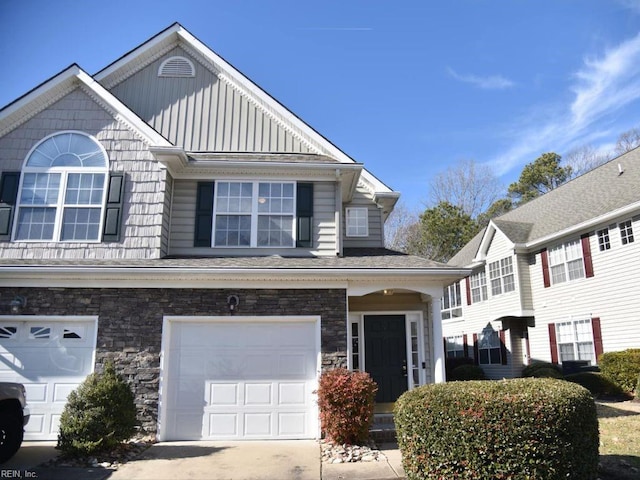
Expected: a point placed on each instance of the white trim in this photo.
(168, 320)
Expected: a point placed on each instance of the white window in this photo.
(565, 262)
(357, 222)
(254, 214)
(501, 276)
(626, 232)
(455, 346)
(451, 302)
(478, 284)
(575, 340)
(489, 348)
(355, 346)
(62, 190)
(604, 242)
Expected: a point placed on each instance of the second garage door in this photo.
(239, 378)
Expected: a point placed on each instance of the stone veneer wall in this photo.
(130, 324)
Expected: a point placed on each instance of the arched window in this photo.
(62, 190)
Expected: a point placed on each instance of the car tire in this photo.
(11, 434)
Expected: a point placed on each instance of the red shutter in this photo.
(503, 348)
(475, 348)
(464, 345)
(468, 285)
(586, 255)
(552, 342)
(545, 268)
(597, 337)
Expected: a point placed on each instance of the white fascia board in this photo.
(180, 277)
(248, 85)
(72, 76)
(57, 81)
(481, 254)
(630, 209)
(124, 112)
(136, 52)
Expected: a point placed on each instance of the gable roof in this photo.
(596, 197)
(51, 90)
(176, 34)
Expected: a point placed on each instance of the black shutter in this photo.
(8, 195)
(204, 215)
(304, 214)
(114, 207)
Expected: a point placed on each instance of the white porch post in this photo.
(438, 346)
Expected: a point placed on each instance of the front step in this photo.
(383, 430)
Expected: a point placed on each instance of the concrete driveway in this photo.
(251, 460)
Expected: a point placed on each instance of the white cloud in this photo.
(603, 86)
(492, 82)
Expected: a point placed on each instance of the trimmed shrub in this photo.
(622, 368)
(99, 414)
(467, 372)
(533, 369)
(451, 363)
(346, 401)
(547, 373)
(518, 429)
(596, 383)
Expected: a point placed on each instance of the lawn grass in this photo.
(619, 424)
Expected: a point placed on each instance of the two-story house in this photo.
(168, 214)
(554, 280)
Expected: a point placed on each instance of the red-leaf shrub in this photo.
(346, 402)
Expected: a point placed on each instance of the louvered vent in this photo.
(177, 67)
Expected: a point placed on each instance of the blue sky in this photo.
(406, 87)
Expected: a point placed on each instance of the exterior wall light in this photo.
(232, 302)
(17, 304)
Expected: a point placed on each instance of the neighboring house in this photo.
(554, 280)
(168, 214)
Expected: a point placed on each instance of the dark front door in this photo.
(386, 354)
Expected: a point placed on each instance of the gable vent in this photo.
(177, 67)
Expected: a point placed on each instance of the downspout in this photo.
(338, 213)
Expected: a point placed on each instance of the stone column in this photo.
(438, 346)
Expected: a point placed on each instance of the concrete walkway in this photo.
(199, 460)
(268, 460)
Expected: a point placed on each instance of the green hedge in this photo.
(527, 428)
(542, 370)
(467, 372)
(622, 368)
(596, 383)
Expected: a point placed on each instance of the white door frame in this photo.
(411, 316)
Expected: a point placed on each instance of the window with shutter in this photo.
(62, 192)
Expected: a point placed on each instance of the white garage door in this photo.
(51, 357)
(240, 378)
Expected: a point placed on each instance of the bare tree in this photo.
(585, 158)
(401, 229)
(468, 185)
(628, 141)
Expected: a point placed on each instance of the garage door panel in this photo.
(292, 394)
(223, 394)
(257, 380)
(51, 358)
(258, 394)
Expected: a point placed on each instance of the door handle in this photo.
(404, 368)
